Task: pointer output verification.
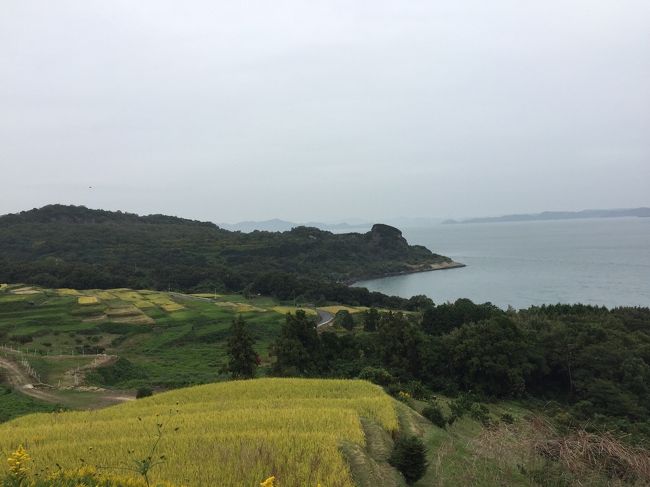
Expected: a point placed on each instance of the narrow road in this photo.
(324, 318)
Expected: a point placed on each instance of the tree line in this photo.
(590, 362)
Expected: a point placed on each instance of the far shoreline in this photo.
(440, 266)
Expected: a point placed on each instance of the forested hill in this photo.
(73, 246)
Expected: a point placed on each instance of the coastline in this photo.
(440, 266)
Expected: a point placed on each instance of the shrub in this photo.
(417, 390)
(143, 392)
(118, 373)
(22, 339)
(409, 457)
(507, 418)
(461, 405)
(481, 413)
(434, 414)
(393, 390)
(404, 397)
(377, 375)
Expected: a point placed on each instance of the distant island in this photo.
(351, 225)
(277, 225)
(558, 215)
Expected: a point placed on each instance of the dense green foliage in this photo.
(122, 371)
(14, 404)
(344, 319)
(242, 359)
(591, 362)
(409, 456)
(298, 348)
(143, 391)
(371, 319)
(434, 414)
(68, 246)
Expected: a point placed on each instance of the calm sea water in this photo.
(598, 261)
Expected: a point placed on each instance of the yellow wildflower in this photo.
(18, 461)
(270, 482)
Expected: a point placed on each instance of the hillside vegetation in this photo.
(68, 246)
(228, 434)
(155, 338)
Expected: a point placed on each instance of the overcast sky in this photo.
(307, 110)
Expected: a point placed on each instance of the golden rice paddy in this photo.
(68, 292)
(172, 307)
(239, 307)
(291, 309)
(87, 300)
(349, 309)
(227, 434)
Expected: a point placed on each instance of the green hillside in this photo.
(160, 339)
(70, 246)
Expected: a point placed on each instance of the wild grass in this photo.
(228, 434)
(577, 457)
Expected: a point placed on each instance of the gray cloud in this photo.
(325, 110)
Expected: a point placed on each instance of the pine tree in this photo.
(242, 359)
(298, 348)
(409, 456)
(371, 320)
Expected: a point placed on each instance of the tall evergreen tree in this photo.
(400, 344)
(409, 456)
(242, 359)
(371, 319)
(298, 348)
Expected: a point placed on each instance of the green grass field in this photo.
(170, 339)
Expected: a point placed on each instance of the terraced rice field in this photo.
(349, 309)
(292, 309)
(87, 300)
(226, 434)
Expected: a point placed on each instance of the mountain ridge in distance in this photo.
(642, 212)
(351, 225)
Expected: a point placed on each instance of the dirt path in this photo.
(21, 381)
(76, 376)
(81, 398)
